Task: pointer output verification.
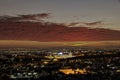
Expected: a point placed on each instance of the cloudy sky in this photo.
(106, 12)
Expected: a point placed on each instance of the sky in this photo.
(68, 11)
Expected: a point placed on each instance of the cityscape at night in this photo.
(60, 39)
(73, 63)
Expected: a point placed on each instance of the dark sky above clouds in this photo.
(67, 11)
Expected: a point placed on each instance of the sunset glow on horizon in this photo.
(37, 44)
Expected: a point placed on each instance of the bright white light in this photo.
(60, 53)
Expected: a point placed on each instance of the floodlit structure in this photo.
(60, 55)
